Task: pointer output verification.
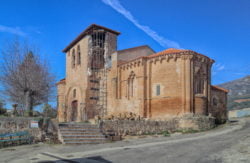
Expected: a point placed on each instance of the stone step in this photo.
(80, 143)
(79, 127)
(82, 136)
(75, 134)
(81, 133)
(85, 140)
(90, 126)
(81, 130)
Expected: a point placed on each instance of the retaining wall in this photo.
(140, 127)
(15, 124)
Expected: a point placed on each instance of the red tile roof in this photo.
(220, 88)
(62, 81)
(135, 48)
(176, 51)
(85, 32)
(167, 51)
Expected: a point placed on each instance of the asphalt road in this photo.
(230, 143)
(201, 150)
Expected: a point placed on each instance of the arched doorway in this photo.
(74, 106)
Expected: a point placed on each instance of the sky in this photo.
(218, 29)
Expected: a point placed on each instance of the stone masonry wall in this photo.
(140, 127)
(218, 105)
(8, 125)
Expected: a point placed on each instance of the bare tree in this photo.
(25, 77)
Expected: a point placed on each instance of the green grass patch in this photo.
(166, 133)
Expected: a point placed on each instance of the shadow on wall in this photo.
(94, 159)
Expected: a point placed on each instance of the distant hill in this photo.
(239, 93)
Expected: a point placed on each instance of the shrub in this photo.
(48, 111)
(2, 111)
(165, 133)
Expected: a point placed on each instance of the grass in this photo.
(166, 133)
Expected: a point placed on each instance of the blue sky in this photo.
(218, 29)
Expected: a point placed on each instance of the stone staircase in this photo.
(80, 133)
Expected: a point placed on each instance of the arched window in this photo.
(199, 87)
(74, 93)
(78, 55)
(73, 59)
(131, 85)
(199, 82)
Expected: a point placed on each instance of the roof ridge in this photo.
(167, 51)
(136, 48)
(84, 32)
(220, 88)
(176, 51)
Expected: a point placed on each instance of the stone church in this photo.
(101, 80)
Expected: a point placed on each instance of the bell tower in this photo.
(87, 58)
(102, 43)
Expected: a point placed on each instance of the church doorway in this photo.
(74, 105)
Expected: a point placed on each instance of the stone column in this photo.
(209, 86)
(149, 88)
(191, 84)
(183, 84)
(205, 79)
(187, 84)
(141, 86)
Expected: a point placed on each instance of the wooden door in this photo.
(74, 106)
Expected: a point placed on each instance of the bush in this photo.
(2, 111)
(165, 133)
(48, 111)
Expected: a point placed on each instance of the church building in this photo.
(101, 80)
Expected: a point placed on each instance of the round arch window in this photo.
(74, 93)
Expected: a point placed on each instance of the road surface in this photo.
(229, 143)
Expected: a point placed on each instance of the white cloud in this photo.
(217, 67)
(222, 67)
(240, 73)
(15, 30)
(116, 5)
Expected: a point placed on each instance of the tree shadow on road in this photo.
(98, 158)
(93, 159)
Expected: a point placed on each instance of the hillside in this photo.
(239, 93)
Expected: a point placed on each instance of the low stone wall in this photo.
(141, 127)
(239, 113)
(14, 124)
(196, 122)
